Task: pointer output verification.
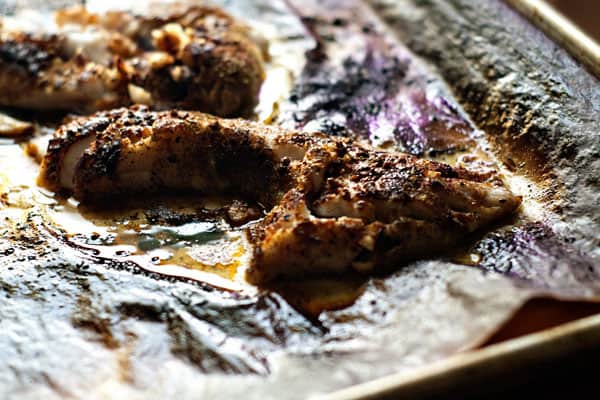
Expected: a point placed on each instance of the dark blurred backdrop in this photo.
(585, 13)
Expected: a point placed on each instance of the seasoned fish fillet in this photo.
(192, 57)
(332, 205)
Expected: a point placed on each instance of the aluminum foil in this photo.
(450, 80)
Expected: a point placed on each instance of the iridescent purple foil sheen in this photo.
(538, 257)
(359, 83)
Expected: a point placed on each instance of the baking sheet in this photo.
(81, 326)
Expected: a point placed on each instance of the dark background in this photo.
(585, 13)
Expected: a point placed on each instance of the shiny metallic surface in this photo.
(456, 80)
(562, 30)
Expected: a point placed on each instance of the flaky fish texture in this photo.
(192, 57)
(332, 205)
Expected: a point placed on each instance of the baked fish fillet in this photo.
(332, 205)
(193, 57)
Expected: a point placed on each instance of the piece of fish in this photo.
(332, 204)
(193, 57)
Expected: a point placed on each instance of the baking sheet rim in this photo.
(486, 362)
(562, 31)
